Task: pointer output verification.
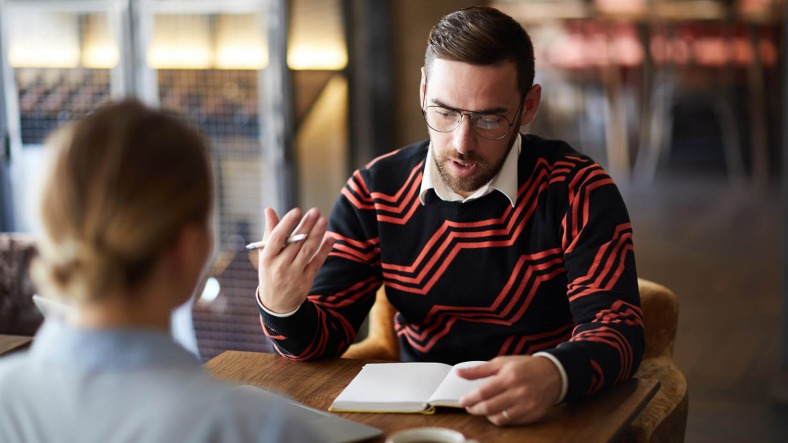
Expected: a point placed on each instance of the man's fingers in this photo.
(320, 256)
(479, 371)
(278, 232)
(315, 227)
(488, 390)
(271, 220)
(307, 221)
(303, 253)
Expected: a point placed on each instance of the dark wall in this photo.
(412, 21)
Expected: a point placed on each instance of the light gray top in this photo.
(129, 385)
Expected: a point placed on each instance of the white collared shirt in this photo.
(505, 181)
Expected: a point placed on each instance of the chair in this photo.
(18, 314)
(696, 58)
(381, 342)
(664, 419)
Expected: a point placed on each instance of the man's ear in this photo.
(423, 87)
(531, 104)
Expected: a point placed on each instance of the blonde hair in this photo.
(121, 184)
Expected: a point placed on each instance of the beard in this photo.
(468, 185)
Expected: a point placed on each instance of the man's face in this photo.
(465, 160)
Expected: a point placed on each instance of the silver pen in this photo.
(261, 244)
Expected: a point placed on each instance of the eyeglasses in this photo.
(489, 126)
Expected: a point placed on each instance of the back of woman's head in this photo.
(121, 184)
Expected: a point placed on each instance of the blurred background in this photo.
(680, 100)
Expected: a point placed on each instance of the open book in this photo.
(405, 387)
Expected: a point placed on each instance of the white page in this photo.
(381, 386)
(453, 386)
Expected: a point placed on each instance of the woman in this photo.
(125, 236)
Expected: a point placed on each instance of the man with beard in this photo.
(491, 244)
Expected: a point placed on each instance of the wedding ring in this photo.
(505, 413)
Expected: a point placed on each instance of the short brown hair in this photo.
(482, 36)
(120, 185)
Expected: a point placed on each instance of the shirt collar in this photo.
(505, 181)
(91, 349)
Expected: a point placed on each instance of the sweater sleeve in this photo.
(607, 342)
(344, 289)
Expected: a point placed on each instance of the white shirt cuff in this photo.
(268, 311)
(564, 378)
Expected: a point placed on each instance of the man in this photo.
(492, 245)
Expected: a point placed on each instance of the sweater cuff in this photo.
(561, 370)
(268, 311)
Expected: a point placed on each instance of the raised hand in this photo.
(286, 270)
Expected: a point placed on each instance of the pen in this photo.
(261, 244)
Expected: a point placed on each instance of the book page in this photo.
(391, 387)
(453, 387)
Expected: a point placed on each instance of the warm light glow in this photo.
(99, 50)
(180, 42)
(43, 40)
(100, 56)
(317, 58)
(186, 42)
(240, 43)
(43, 56)
(241, 57)
(178, 57)
(317, 39)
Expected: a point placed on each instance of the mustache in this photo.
(466, 157)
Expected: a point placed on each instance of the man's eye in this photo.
(488, 121)
(447, 114)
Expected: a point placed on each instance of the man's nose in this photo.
(464, 138)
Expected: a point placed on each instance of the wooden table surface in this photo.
(11, 343)
(317, 383)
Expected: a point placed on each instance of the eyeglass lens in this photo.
(490, 126)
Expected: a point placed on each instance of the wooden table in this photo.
(316, 384)
(11, 343)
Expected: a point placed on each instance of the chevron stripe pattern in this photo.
(553, 273)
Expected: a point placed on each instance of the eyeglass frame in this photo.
(464, 112)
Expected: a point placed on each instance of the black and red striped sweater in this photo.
(475, 280)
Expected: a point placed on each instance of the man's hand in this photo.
(521, 389)
(286, 271)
